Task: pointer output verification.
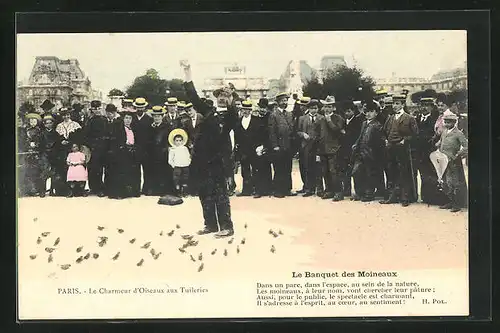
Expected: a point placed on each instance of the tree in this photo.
(343, 82)
(154, 89)
(116, 92)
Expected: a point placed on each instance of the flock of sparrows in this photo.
(102, 241)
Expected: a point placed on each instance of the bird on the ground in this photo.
(95, 255)
(65, 266)
(103, 241)
(120, 231)
(274, 234)
(57, 241)
(79, 260)
(177, 226)
(182, 250)
(33, 256)
(146, 245)
(116, 255)
(170, 233)
(185, 245)
(271, 231)
(156, 255)
(132, 241)
(214, 251)
(100, 228)
(50, 258)
(49, 249)
(35, 219)
(273, 249)
(161, 233)
(192, 242)
(188, 237)
(153, 252)
(201, 267)
(39, 240)
(230, 241)
(243, 241)
(140, 262)
(200, 257)
(79, 249)
(246, 225)
(237, 249)
(192, 258)
(225, 252)
(45, 234)
(280, 232)
(87, 256)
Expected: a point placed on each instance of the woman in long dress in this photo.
(125, 171)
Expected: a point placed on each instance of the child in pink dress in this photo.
(77, 172)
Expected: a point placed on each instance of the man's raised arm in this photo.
(198, 104)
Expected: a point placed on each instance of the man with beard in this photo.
(281, 135)
(331, 129)
(400, 129)
(55, 155)
(263, 178)
(300, 109)
(210, 172)
(96, 136)
(141, 125)
(353, 122)
(158, 172)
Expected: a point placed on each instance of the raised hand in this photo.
(186, 67)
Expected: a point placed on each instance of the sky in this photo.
(113, 60)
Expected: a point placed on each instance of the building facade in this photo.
(62, 82)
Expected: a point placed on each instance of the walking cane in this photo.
(415, 190)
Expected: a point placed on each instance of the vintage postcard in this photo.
(242, 174)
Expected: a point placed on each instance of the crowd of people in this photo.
(374, 144)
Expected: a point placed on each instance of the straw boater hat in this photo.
(174, 133)
(329, 100)
(304, 100)
(246, 105)
(171, 101)
(127, 101)
(33, 116)
(157, 110)
(189, 105)
(140, 102)
(388, 100)
(448, 115)
(427, 101)
(400, 97)
(48, 117)
(281, 95)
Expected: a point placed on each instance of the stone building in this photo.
(60, 81)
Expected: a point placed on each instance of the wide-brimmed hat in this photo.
(189, 105)
(174, 133)
(381, 92)
(448, 115)
(329, 100)
(48, 117)
(140, 102)
(171, 101)
(127, 101)
(181, 105)
(33, 116)
(304, 100)
(388, 100)
(399, 97)
(157, 110)
(247, 105)
(282, 95)
(111, 108)
(47, 105)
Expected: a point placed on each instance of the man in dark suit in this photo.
(281, 134)
(193, 128)
(141, 126)
(300, 108)
(212, 145)
(263, 179)
(331, 129)
(248, 136)
(353, 122)
(400, 129)
(96, 137)
(308, 132)
(367, 152)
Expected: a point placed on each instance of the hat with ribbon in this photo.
(281, 95)
(157, 110)
(48, 117)
(448, 115)
(174, 133)
(140, 102)
(189, 105)
(304, 100)
(246, 105)
(329, 100)
(399, 97)
(388, 100)
(427, 101)
(171, 101)
(33, 116)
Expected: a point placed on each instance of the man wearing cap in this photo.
(281, 134)
(353, 121)
(209, 168)
(96, 136)
(300, 109)
(367, 151)
(331, 129)
(308, 131)
(400, 129)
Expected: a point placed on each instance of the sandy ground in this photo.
(317, 234)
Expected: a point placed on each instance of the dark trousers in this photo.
(263, 177)
(214, 198)
(344, 170)
(367, 179)
(331, 174)
(429, 189)
(76, 188)
(399, 165)
(249, 171)
(181, 177)
(282, 172)
(311, 170)
(160, 177)
(96, 168)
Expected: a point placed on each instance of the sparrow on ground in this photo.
(120, 231)
(39, 240)
(79, 249)
(57, 241)
(170, 233)
(95, 255)
(65, 266)
(79, 260)
(49, 249)
(116, 256)
(45, 234)
(140, 262)
(132, 241)
(201, 267)
(33, 256)
(100, 228)
(146, 245)
(273, 249)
